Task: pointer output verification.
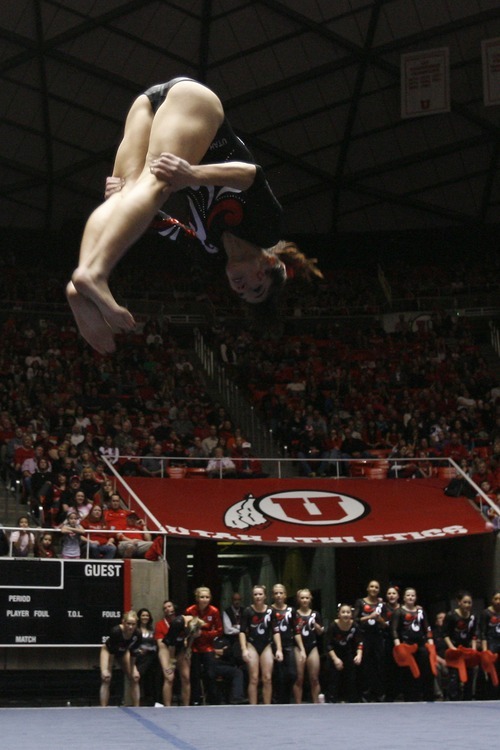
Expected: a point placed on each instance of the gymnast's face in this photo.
(410, 597)
(345, 613)
(249, 279)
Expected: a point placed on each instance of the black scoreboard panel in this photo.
(59, 602)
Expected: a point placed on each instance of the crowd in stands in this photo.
(416, 393)
(342, 391)
(88, 529)
(382, 647)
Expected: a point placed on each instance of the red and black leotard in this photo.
(460, 630)
(305, 627)
(258, 627)
(253, 214)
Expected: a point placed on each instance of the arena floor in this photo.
(386, 726)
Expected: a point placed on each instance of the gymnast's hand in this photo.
(113, 185)
(177, 173)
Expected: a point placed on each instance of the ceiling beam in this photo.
(353, 109)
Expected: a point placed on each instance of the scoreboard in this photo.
(59, 602)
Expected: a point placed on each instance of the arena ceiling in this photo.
(313, 87)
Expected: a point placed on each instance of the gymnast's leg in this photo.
(129, 163)
(185, 124)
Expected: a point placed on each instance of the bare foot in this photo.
(90, 322)
(97, 290)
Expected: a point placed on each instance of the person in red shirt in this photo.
(454, 448)
(115, 516)
(483, 473)
(101, 544)
(22, 453)
(247, 465)
(135, 540)
(131, 540)
(203, 655)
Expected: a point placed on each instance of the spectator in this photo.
(210, 442)
(45, 545)
(85, 460)
(310, 449)
(332, 450)
(177, 455)
(88, 483)
(41, 485)
(483, 474)
(101, 545)
(124, 436)
(294, 431)
(81, 504)
(196, 454)
(247, 465)
(13, 444)
(77, 436)
(221, 466)
(103, 495)
(115, 516)
(354, 447)
(129, 463)
(135, 539)
(454, 449)
(109, 450)
(72, 531)
(183, 425)
(153, 465)
(28, 469)
(21, 454)
(227, 669)
(22, 540)
(231, 621)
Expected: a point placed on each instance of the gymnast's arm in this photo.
(178, 173)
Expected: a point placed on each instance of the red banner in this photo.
(308, 511)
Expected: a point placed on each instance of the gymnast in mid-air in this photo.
(177, 139)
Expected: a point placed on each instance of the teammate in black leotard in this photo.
(409, 625)
(122, 643)
(257, 634)
(345, 649)
(369, 614)
(161, 629)
(310, 626)
(489, 628)
(183, 630)
(461, 629)
(177, 139)
(285, 619)
(392, 672)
